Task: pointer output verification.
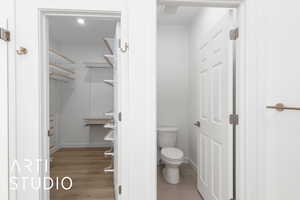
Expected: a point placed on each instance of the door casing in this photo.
(44, 81)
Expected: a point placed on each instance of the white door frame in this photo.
(250, 152)
(44, 79)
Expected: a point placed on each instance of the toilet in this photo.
(171, 156)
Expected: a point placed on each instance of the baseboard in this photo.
(84, 145)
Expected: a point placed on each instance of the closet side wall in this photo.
(172, 81)
(201, 24)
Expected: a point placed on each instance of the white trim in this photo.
(44, 152)
(4, 114)
(251, 152)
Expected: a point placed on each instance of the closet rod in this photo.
(62, 68)
(61, 55)
(61, 74)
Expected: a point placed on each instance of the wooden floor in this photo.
(85, 167)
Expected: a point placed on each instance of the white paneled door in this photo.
(3, 113)
(215, 133)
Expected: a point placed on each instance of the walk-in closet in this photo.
(83, 105)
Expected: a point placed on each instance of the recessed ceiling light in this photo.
(80, 21)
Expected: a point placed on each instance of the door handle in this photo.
(197, 123)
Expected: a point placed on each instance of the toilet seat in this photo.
(172, 154)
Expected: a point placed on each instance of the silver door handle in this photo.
(197, 123)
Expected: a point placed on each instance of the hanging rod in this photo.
(61, 55)
(62, 68)
(281, 107)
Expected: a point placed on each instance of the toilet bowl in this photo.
(172, 158)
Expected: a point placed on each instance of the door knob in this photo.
(197, 123)
(22, 51)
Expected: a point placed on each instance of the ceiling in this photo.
(66, 30)
(181, 16)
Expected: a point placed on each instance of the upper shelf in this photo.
(61, 55)
(60, 76)
(109, 59)
(101, 64)
(97, 121)
(109, 42)
(61, 68)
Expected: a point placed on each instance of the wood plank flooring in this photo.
(85, 167)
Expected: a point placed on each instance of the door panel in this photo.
(215, 133)
(4, 113)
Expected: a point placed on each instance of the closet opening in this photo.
(196, 91)
(81, 64)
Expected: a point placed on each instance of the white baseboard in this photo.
(84, 145)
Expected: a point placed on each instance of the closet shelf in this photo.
(109, 125)
(60, 76)
(109, 59)
(109, 43)
(109, 82)
(109, 136)
(102, 64)
(97, 121)
(59, 54)
(61, 68)
(109, 114)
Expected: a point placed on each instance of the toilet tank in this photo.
(167, 136)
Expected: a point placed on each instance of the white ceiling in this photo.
(66, 30)
(183, 15)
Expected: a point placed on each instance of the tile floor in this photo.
(185, 190)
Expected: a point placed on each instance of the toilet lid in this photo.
(172, 153)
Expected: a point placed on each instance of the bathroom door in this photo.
(215, 132)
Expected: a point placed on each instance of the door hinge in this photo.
(125, 48)
(4, 34)
(234, 119)
(234, 34)
(120, 116)
(120, 189)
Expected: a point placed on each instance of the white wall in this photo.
(87, 96)
(172, 81)
(201, 24)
